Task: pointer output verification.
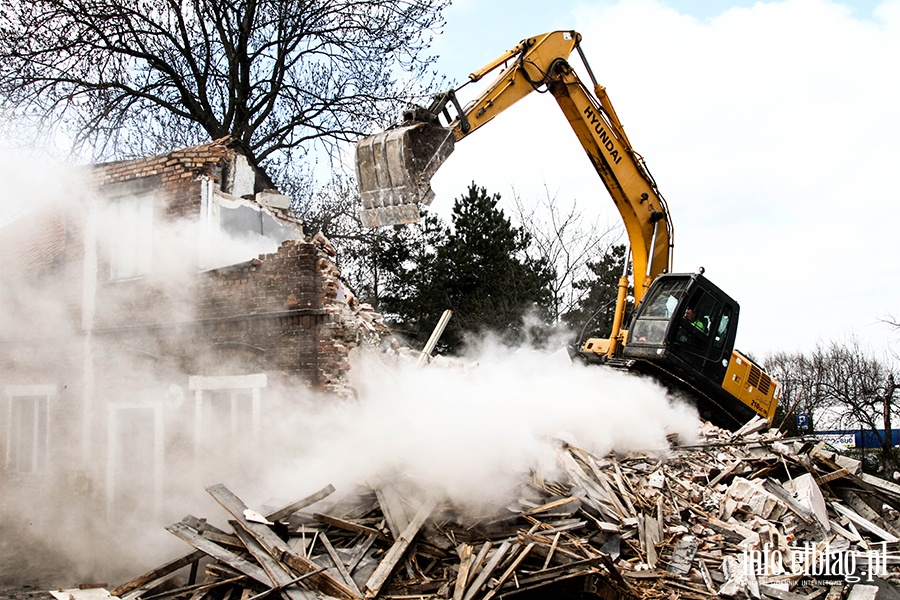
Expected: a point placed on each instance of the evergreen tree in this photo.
(489, 281)
(478, 269)
(405, 264)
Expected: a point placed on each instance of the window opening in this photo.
(131, 236)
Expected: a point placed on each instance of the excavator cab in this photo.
(688, 321)
(683, 333)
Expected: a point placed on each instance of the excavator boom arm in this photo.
(540, 62)
(394, 168)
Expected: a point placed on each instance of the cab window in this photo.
(722, 329)
(665, 298)
(696, 321)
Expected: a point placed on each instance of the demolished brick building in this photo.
(155, 316)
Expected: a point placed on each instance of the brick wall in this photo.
(278, 313)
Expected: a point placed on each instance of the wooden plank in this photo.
(236, 507)
(278, 573)
(397, 550)
(201, 525)
(392, 507)
(622, 484)
(290, 509)
(223, 539)
(359, 552)
(580, 567)
(545, 541)
(882, 485)
(707, 578)
(158, 573)
(479, 560)
(219, 553)
(509, 571)
(349, 526)
(552, 549)
(466, 558)
(725, 472)
(339, 564)
(867, 512)
(829, 477)
(552, 505)
(611, 496)
(276, 547)
(864, 523)
(319, 579)
(198, 587)
(775, 488)
(487, 571)
(596, 495)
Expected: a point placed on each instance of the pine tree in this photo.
(478, 269)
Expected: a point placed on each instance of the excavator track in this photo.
(710, 408)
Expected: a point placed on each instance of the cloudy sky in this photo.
(771, 128)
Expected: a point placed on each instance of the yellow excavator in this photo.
(683, 327)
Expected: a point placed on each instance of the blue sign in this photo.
(802, 421)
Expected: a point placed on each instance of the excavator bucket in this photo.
(394, 171)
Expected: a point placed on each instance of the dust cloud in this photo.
(470, 431)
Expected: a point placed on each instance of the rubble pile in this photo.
(747, 514)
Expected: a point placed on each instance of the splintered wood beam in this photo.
(319, 580)
(349, 526)
(466, 558)
(339, 564)
(392, 507)
(293, 507)
(487, 571)
(158, 573)
(274, 545)
(397, 550)
(219, 553)
(281, 578)
(509, 571)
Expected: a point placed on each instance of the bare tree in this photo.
(567, 242)
(132, 77)
(844, 387)
(865, 388)
(801, 392)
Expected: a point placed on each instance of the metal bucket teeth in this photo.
(394, 171)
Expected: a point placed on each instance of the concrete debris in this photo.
(746, 516)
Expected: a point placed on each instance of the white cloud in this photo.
(772, 132)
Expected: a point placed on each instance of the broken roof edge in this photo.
(208, 152)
